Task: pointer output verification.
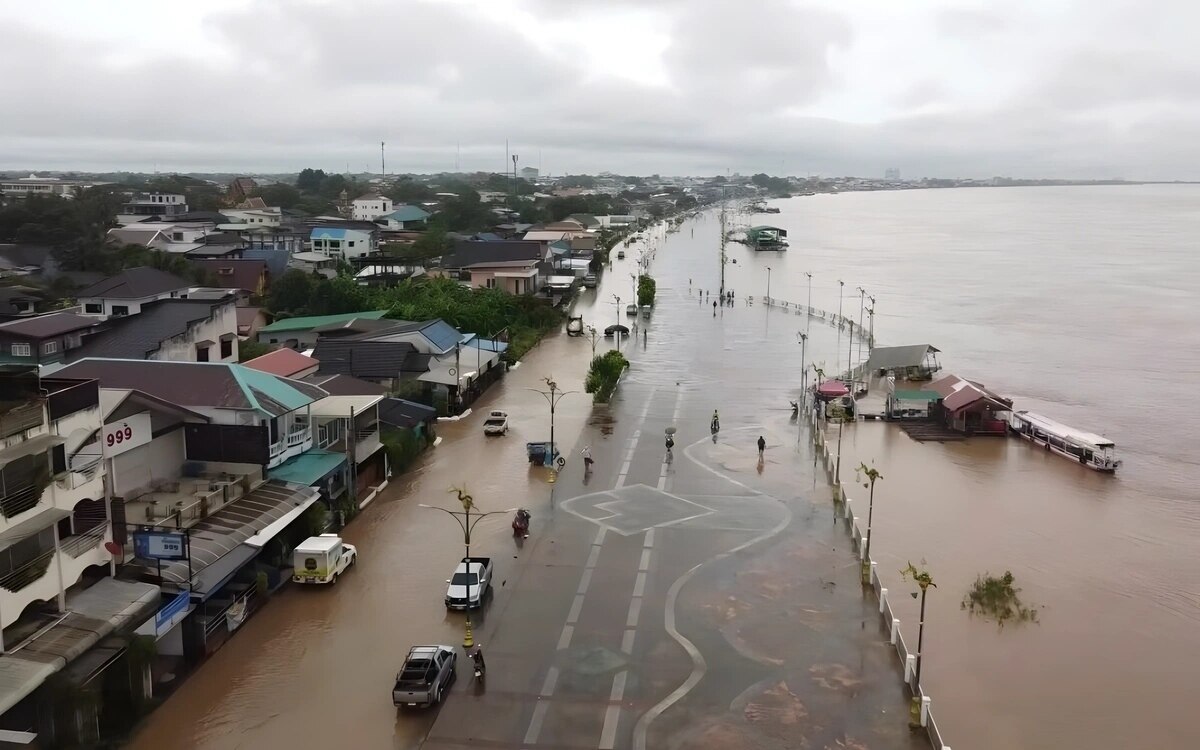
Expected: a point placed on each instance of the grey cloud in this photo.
(295, 85)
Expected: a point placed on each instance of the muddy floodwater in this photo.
(1078, 303)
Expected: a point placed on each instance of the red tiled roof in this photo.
(284, 362)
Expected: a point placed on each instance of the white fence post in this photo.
(924, 709)
(874, 570)
(895, 629)
(882, 600)
(910, 666)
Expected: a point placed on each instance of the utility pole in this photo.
(722, 217)
(514, 179)
(808, 317)
(552, 396)
(841, 286)
(862, 293)
(768, 284)
(803, 373)
(382, 160)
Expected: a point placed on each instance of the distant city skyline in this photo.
(1049, 89)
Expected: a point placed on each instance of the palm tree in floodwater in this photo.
(872, 474)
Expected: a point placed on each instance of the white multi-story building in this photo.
(34, 185)
(266, 217)
(371, 206)
(125, 293)
(338, 242)
(142, 206)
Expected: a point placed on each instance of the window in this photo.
(119, 310)
(177, 236)
(50, 347)
(351, 243)
(226, 348)
(491, 283)
(21, 350)
(202, 353)
(93, 308)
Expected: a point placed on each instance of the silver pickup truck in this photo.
(427, 672)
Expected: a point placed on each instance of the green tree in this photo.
(603, 375)
(291, 293)
(248, 349)
(341, 294)
(310, 180)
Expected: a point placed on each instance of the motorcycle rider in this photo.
(716, 422)
(477, 659)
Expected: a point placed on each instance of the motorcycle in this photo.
(520, 523)
(480, 669)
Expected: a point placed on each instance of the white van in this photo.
(320, 559)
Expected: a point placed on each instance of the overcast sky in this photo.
(1050, 88)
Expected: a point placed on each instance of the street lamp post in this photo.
(841, 286)
(925, 581)
(872, 475)
(803, 372)
(617, 331)
(871, 332)
(862, 293)
(553, 396)
(467, 525)
(768, 285)
(592, 334)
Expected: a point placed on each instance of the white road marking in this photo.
(639, 586)
(585, 582)
(564, 640)
(649, 539)
(627, 641)
(645, 561)
(576, 606)
(635, 611)
(612, 716)
(535, 723)
(593, 556)
(550, 682)
(600, 535)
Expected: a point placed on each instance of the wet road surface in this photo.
(708, 600)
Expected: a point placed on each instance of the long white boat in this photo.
(1092, 450)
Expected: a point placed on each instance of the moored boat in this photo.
(1092, 450)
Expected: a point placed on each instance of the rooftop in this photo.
(309, 322)
(284, 362)
(468, 253)
(308, 468)
(407, 213)
(48, 325)
(237, 274)
(344, 385)
(899, 357)
(139, 336)
(219, 385)
(135, 283)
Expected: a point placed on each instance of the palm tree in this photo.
(872, 475)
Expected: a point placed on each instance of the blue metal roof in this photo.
(308, 468)
(326, 233)
(407, 213)
(272, 386)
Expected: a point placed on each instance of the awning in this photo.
(39, 444)
(251, 517)
(107, 607)
(213, 577)
(832, 389)
(309, 467)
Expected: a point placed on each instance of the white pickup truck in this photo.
(496, 423)
(320, 559)
(470, 583)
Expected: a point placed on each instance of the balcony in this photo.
(188, 500)
(83, 479)
(366, 442)
(296, 442)
(19, 418)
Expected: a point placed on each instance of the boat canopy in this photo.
(1047, 425)
(832, 389)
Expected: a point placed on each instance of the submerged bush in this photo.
(603, 375)
(997, 598)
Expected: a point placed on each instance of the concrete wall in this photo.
(182, 348)
(161, 458)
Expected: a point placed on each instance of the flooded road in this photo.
(1078, 303)
(655, 604)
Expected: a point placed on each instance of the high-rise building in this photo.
(529, 173)
(891, 173)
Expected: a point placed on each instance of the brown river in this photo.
(1078, 303)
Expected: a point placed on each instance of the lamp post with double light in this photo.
(467, 521)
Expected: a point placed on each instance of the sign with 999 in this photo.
(126, 434)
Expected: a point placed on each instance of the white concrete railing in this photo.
(828, 453)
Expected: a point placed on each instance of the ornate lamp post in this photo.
(768, 284)
(872, 475)
(803, 372)
(467, 521)
(925, 581)
(552, 396)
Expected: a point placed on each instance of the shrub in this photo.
(603, 375)
(646, 290)
(996, 597)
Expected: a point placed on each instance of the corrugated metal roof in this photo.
(325, 233)
(341, 406)
(407, 213)
(45, 326)
(309, 467)
(283, 362)
(896, 357)
(958, 393)
(309, 322)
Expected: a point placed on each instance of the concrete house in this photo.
(404, 217)
(44, 339)
(301, 332)
(370, 207)
(142, 206)
(125, 293)
(179, 330)
(515, 266)
(343, 243)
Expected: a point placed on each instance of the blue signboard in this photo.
(159, 545)
(167, 615)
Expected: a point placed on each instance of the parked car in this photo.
(321, 559)
(427, 672)
(470, 582)
(590, 281)
(496, 423)
(620, 255)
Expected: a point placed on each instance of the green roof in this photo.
(916, 396)
(308, 468)
(309, 322)
(256, 383)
